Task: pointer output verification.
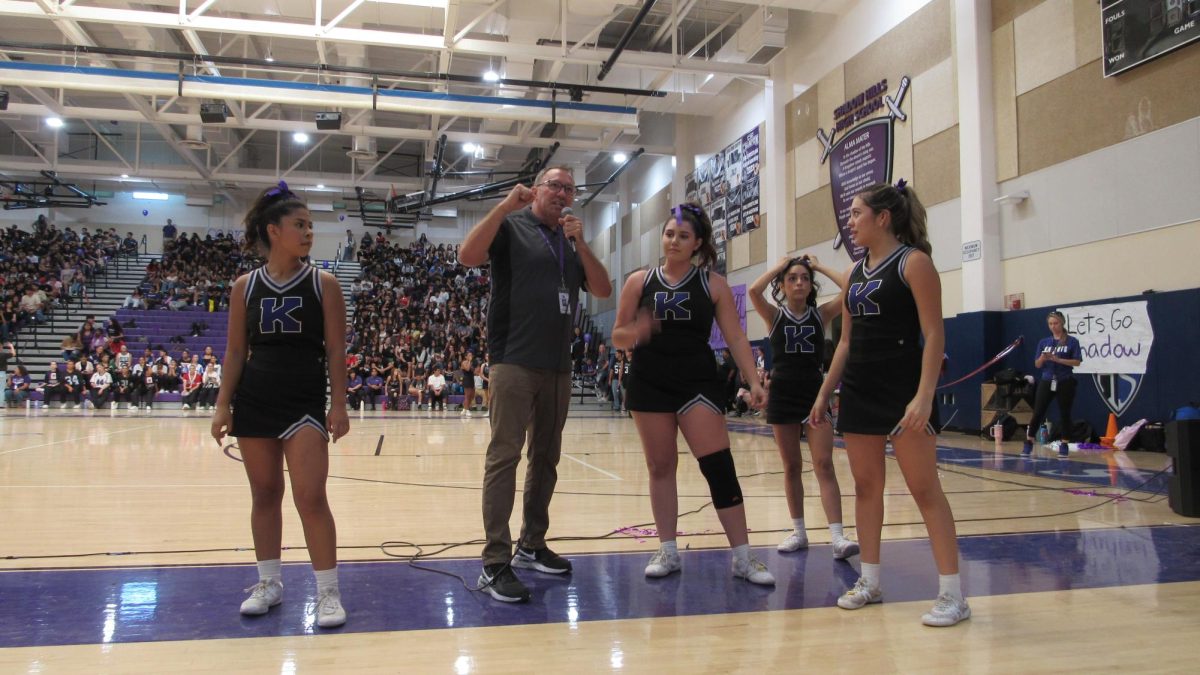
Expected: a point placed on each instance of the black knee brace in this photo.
(722, 479)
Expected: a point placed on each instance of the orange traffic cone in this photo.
(1111, 434)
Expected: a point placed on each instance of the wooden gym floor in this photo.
(125, 548)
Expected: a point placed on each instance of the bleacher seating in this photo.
(155, 329)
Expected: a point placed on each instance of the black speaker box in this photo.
(329, 121)
(213, 113)
(1183, 445)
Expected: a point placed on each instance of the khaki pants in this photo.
(523, 399)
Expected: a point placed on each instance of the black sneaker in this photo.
(542, 560)
(500, 582)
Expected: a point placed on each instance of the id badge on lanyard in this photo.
(564, 301)
(564, 298)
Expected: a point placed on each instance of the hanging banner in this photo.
(715, 339)
(1115, 338)
(726, 185)
(862, 155)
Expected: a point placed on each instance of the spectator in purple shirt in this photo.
(374, 387)
(1057, 357)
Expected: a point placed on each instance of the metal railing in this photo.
(30, 335)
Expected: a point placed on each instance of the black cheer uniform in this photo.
(797, 350)
(676, 371)
(282, 388)
(883, 370)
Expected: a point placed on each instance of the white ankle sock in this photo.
(836, 532)
(326, 579)
(669, 547)
(870, 572)
(270, 569)
(951, 585)
(798, 523)
(741, 552)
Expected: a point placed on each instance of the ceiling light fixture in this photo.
(491, 76)
(54, 122)
(620, 157)
(300, 137)
(156, 196)
(468, 147)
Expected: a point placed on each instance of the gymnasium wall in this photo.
(1111, 167)
(1169, 382)
(925, 147)
(1110, 164)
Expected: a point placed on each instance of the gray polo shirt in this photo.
(525, 326)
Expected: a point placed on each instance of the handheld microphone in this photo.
(568, 211)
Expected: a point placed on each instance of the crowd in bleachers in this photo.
(194, 273)
(42, 270)
(101, 364)
(418, 336)
(419, 331)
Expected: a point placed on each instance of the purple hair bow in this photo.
(281, 190)
(690, 208)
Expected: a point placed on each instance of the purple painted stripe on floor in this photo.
(1042, 464)
(192, 603)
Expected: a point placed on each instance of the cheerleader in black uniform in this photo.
(797, 332)
(887, 362)
(665, 316)
(287, 327)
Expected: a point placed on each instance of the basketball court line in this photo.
(86, 439)
(592, 467)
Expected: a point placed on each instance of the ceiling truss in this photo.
(346, 43)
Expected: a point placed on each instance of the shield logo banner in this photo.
(1117, 390)
(861, 157)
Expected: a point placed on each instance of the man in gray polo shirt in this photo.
(539, 263)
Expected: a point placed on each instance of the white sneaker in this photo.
(794, 542)
(946, 611)
(844, 548)
(187, 407)
(466, 412)
(263, 596)
(662, 564)
(330, 612)
(861, 595)
(753, 571)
